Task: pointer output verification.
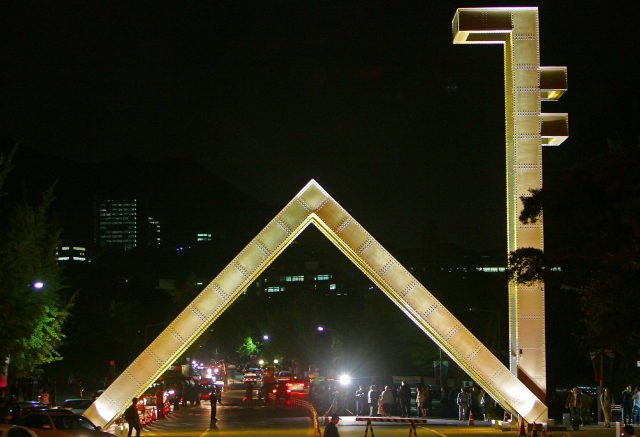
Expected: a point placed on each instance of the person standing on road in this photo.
(420, 393)
(331, 430)
(45, 398)
(463, 404)
(360, 400)
(132, 418)
(607, 402)
(387, 401)
(405, 399)
(636, 406)
(248, 394)
(574, 403)
(213, 398)
(444, 402)
(373, 401)
(627, 406)
(54, 392)
(160, 403)
(428, 401)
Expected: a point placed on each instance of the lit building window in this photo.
(322, 277)
(332, 286)
(274, 289)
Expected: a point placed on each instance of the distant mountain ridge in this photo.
(186, 197)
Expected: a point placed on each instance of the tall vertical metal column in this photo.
(527, 84)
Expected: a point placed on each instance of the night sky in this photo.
(371, 99)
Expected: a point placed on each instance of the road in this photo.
(235, 419)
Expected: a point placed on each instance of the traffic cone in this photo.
(544, 434)
(522, 431)
(471, 418)
(535, 430)
(549, 433)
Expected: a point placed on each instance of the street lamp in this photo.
(265, 337)
(38, 285)
(499, 325)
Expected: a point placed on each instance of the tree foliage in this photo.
(32, 319)
(597, 244)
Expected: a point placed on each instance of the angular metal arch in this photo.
(313, 205)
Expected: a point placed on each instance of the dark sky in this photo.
(371, 99)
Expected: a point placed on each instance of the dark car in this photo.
(281, 390)
(62, 423)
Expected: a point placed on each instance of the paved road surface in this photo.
(235, 419)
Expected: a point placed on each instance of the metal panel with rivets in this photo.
(527, 84)
(313, 205)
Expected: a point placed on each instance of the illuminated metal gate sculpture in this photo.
(313, 205)
(526, 85)
(521, 391)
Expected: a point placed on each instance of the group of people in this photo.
(393, 402)
(474, 402)
(631, 406)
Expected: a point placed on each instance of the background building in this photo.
(124, 222)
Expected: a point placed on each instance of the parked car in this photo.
(62, 423)
(77, 406)
(16, 431)
(20, 409)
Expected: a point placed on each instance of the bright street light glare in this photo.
(320, 328)
(265, 337)
(261, 362)
(345, 379)
(38, 285)
(276, 361)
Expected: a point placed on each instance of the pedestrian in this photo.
(444, 402)
(54, 392)
(248, 394)
(177, 395)
(387, 401)
(428, 401)
(405, 399)
(420, 401)
(574, 403)
(213, 398)
(463, 404)
(484, 403)
(331, 430)
(374, 394)
(476, 397)
(627, 406)
(14, 392)
(160, 403)
(360, 400)
(132, 418)
(186, 393)
(636, 406)
(585, 409)
(45, 398)
(607, 402)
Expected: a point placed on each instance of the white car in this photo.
(62, 423)
(16, 431)
(77, 406)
